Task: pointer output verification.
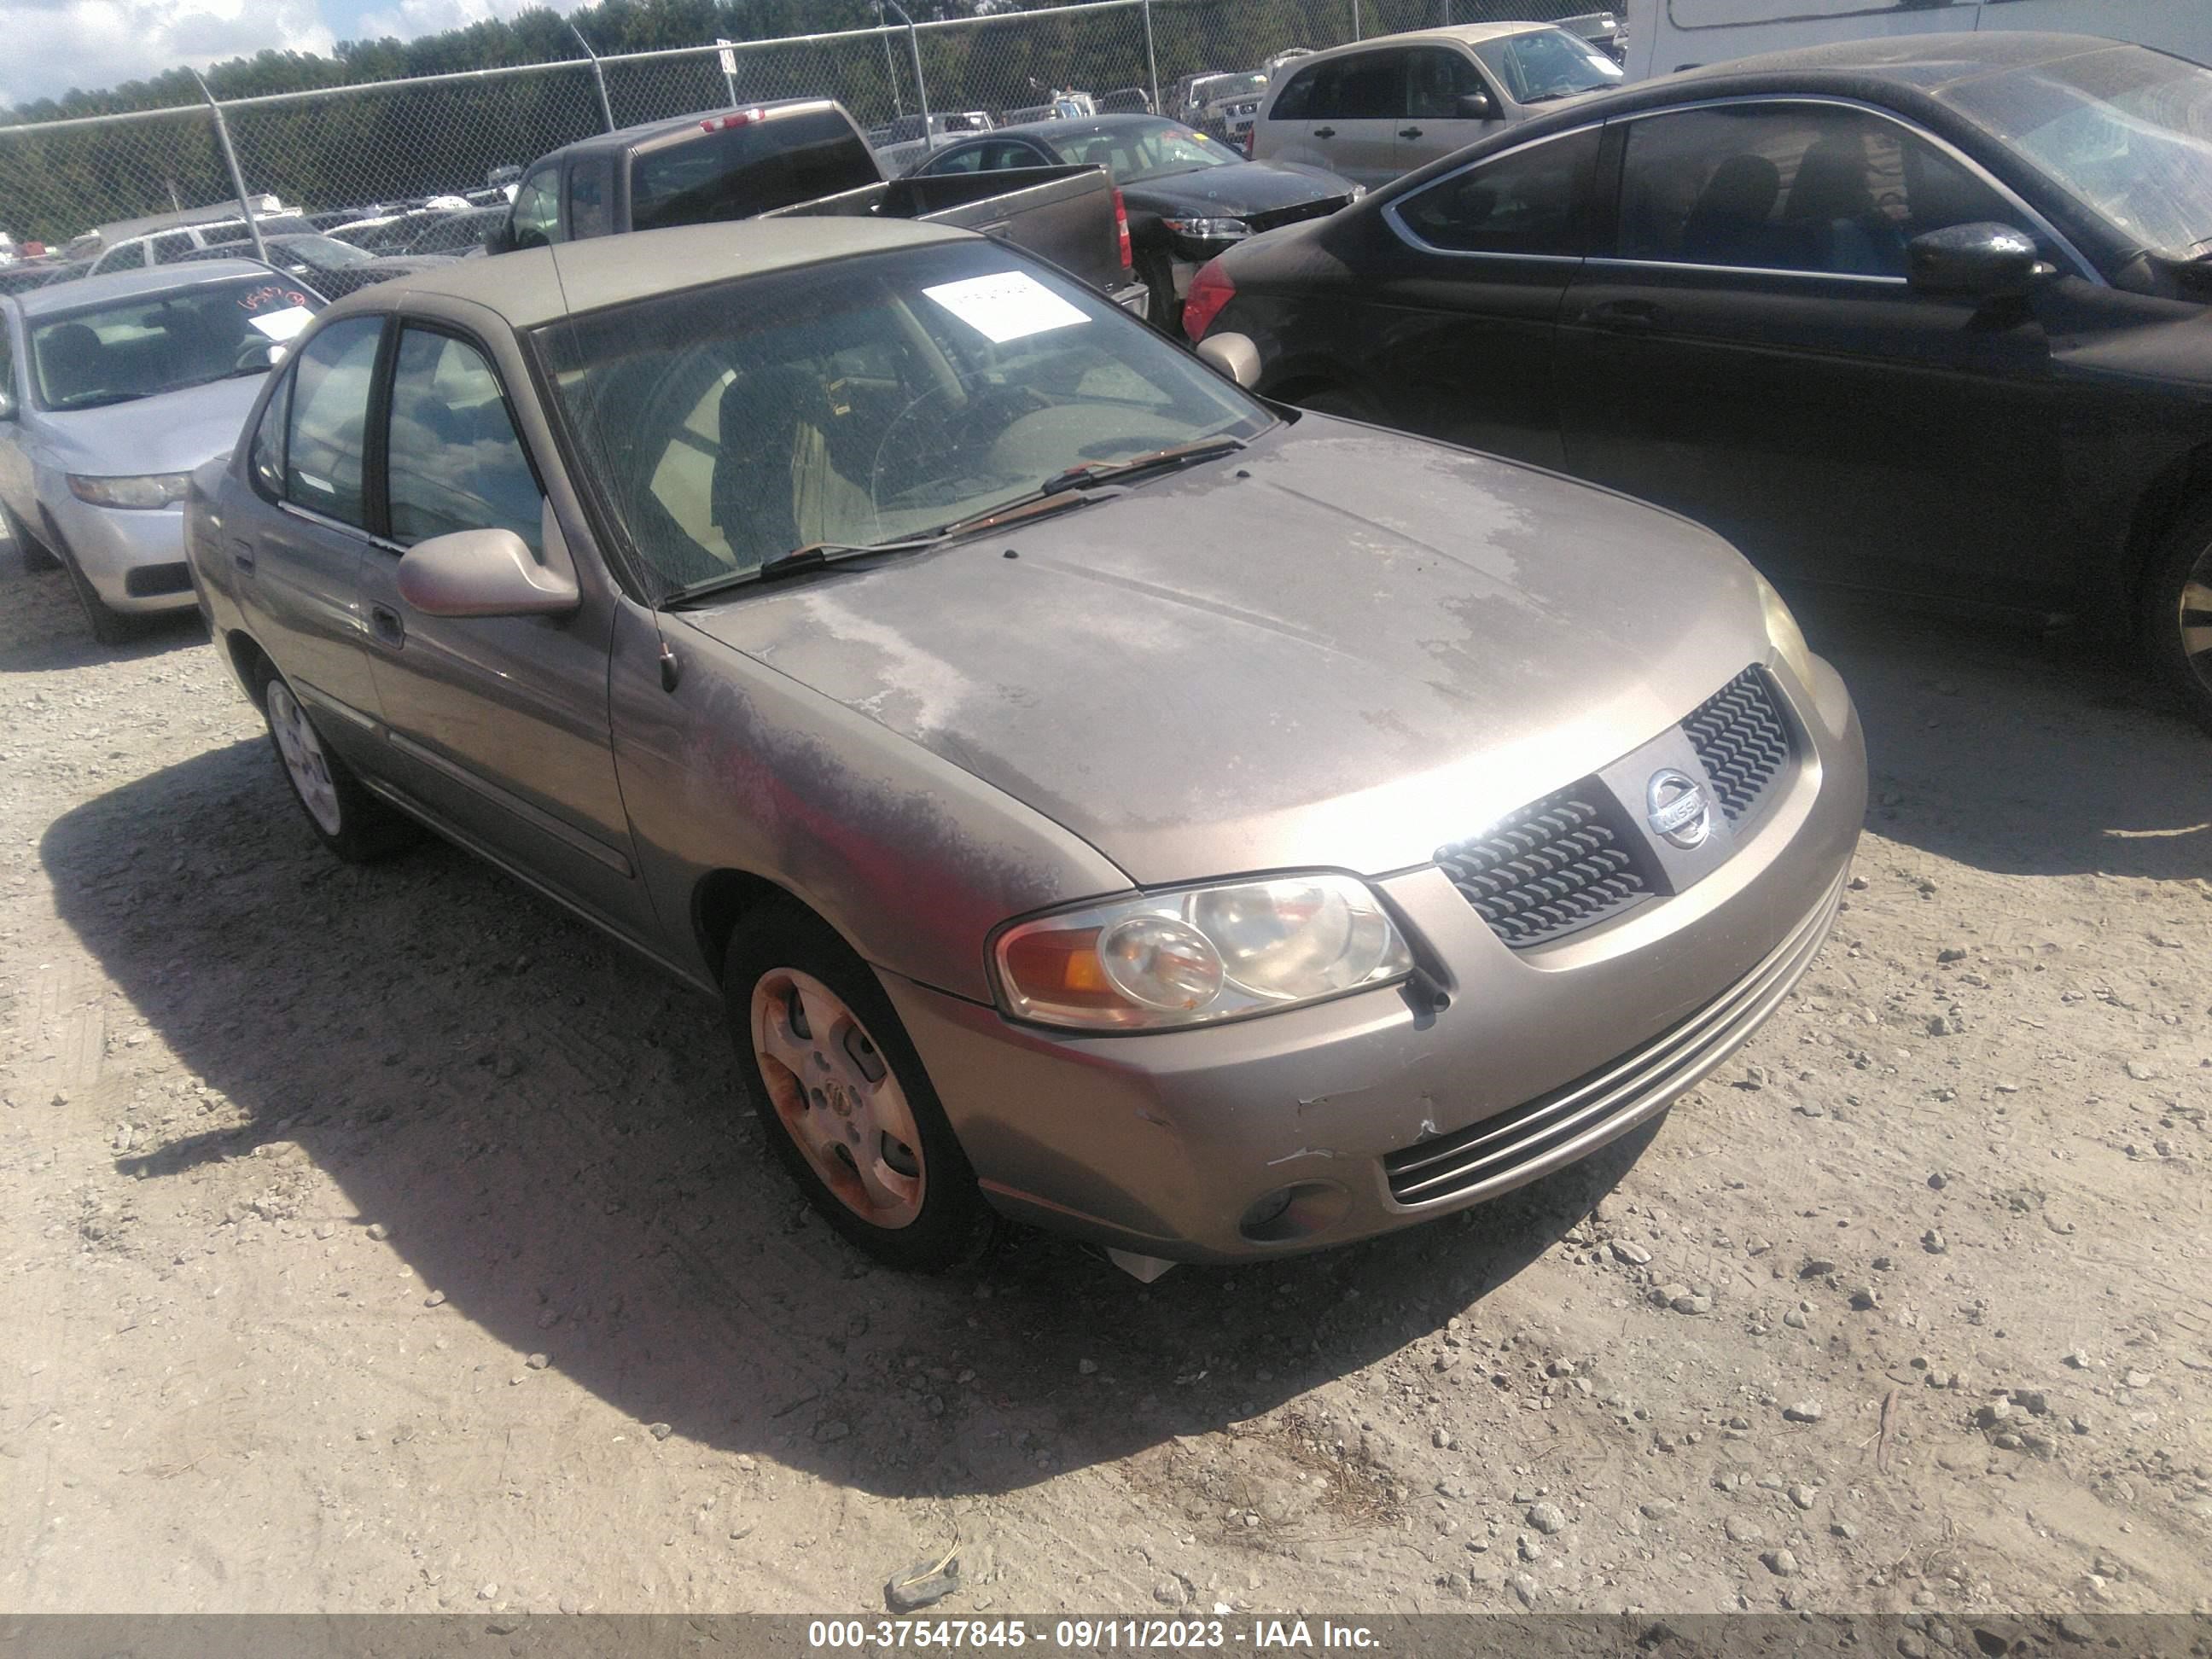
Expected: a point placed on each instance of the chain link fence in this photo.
(365, 147)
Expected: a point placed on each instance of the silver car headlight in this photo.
(1201, 955)
(151, 489)
(1784, 635)
(1209, 230)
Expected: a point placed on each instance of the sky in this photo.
(55, 45)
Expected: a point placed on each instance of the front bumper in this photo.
(134, 558)
(1377, 1111)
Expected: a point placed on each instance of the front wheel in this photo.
(843, 1096)
(348, 820)
(2177, 615)
(35, 554)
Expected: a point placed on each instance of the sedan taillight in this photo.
(1122, 228)
(1210, 290)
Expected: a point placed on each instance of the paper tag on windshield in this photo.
(283, 324)
(1011, 304)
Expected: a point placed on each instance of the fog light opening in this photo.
(1297, 1212)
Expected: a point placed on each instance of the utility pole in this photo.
(599, 76)
(237, 178)
(920, 92)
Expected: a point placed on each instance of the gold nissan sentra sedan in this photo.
(1098, 796)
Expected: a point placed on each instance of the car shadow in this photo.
(550, 1134)
(2017, 753)
(42, 630)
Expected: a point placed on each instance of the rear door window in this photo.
(749, 167)
(1294, 101)
(324, 467)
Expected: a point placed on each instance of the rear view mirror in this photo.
(1985, 261)
(1477, 107)
(482, 572)
(1233, 354)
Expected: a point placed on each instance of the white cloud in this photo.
(410, 18)
(56, 44)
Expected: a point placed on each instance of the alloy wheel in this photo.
(2193, 616)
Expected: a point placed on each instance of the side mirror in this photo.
(1477, 107)
(500, 239)
(1985, 261)
(482, 572)
(1233, 354)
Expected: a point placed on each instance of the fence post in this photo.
(920, 92)
(1151, 58)
(598, 77)
(1356, 34)
(230, 161)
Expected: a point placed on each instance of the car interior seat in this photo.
(1831, 200)
(1729, 226)
(73, 362)
(776, 485)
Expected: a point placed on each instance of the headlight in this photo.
(1784, 635)
(152, 490)
(1209, 230)
(1194, 957)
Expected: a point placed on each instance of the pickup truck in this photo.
(800, 157)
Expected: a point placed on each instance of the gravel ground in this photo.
(384, 1240)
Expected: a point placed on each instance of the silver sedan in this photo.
(1096, 796)
(112, 389)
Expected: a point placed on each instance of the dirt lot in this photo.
(384, 1240)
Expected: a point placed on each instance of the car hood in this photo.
(1241, 187)
(1344, 647)
(172, 433)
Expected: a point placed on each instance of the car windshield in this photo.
(733, 423)
(157, 343)
(1219, 86)
(1547, 63)
(1133, 151)
(2129, 131)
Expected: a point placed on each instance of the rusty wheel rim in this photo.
(838, 1098)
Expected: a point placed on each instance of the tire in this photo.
(108, 627)
(2176, 616)
(346, 818)
(842, 1095)
(35, 553)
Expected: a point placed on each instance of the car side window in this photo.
(1368, 87)
(591, 188)
(959, 160)
(177, 244)
(1436, 78)
(1293, 102)
(266, 457)
(453, 461)
(536, 213)
(122, 257)
(1799, 187)
(1534, 200)
(328, 420)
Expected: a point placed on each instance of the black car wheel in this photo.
(843, 1096)
(37, 556)
(2176, 613)
(108, 627)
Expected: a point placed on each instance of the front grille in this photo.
(149, 580)
(1551, 868)
(1741, 736)
(1496, 1153)
(1291, 216)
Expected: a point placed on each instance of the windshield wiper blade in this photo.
(820, 556)
(1098, 472)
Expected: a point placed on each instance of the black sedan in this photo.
(1929, 316)
(1190, 197)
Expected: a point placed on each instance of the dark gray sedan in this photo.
(1095, 797)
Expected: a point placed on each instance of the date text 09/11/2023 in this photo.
(1092, 1635)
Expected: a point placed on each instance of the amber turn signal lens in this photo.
(1062, 964)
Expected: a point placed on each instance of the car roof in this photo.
(1074, 127)
(130, 284)
(1930, 63)
(645, 132)
(1466, 34)
(539, 285)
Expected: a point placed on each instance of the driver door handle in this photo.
(383, 623)
(241, 554)
(1409, 132)
(1324, 132)
(1626, 316)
